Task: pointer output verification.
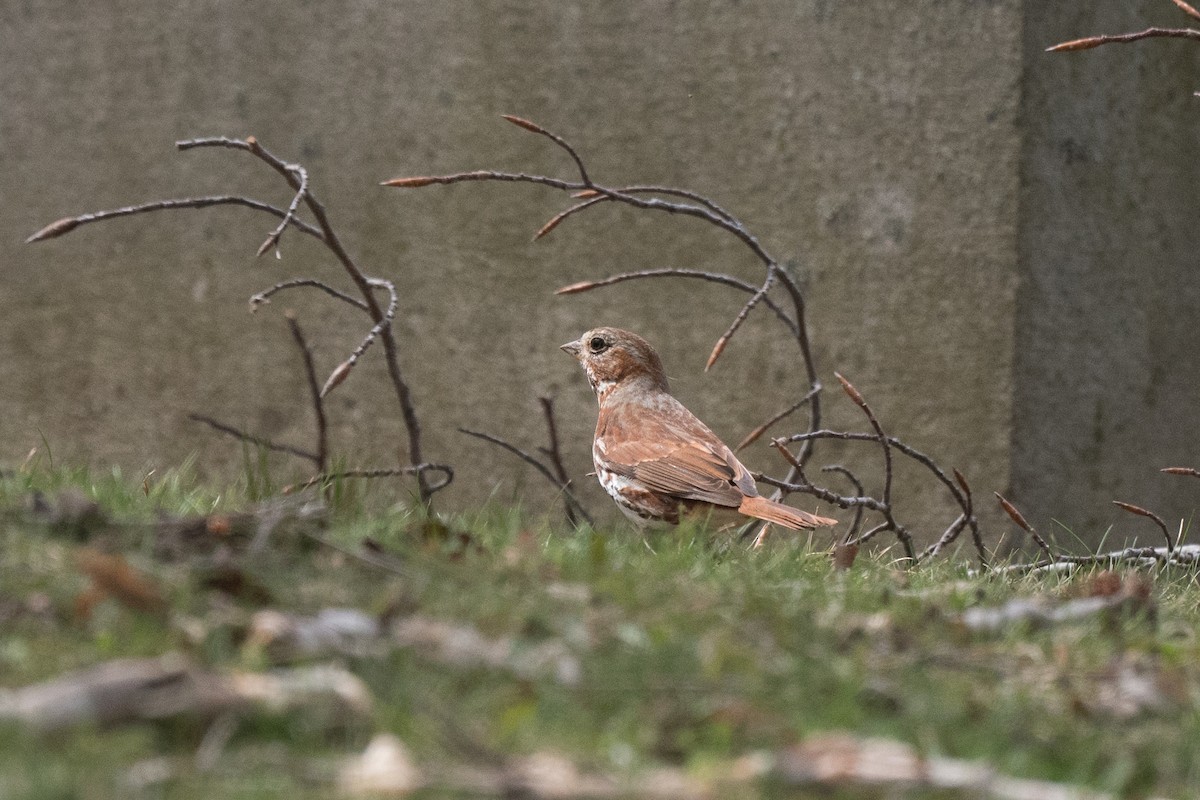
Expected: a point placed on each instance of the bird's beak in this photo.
(570, 347)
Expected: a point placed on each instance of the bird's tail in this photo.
(762, 508)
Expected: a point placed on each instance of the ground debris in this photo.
(350, 632)
(1127, 596)
(127, 691)
(823, 762)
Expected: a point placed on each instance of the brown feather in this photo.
(788, 517)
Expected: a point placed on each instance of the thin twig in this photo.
(68, 224)
(521, 122)
(265, 295)
(754, 300)
(1024, 525)
(563, 487)
(364, 284)
(252, 439)
(858, 487)
(1141, 512)
(386, 472)
(712, 277)
(553, 453)
(882, 438)
(272, 240)
(1123, 38)
(314, 391)
(754, 435)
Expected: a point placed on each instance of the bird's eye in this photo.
(597, 344)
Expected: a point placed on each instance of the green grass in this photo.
(692, 653)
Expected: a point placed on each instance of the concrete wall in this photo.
(874, 147)
(1107, 376)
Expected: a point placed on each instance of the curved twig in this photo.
(265, 295)
(255, 440)
(563, 487)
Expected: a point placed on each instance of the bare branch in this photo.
(553, 453)
(754, 300)
(563, 487)
(712, 277)
(252, 439)
(314, 391)
(387, 472)
(858, 487)
(554, 137)
(1123, 38)
(1019, 518)
(754, 435)
(273, 239)
(560, 216)
(68, 224)
(264, 296)
(1141, 512)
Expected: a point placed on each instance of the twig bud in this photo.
(1011, 510)
(549, 226)
(1195, 473)
(1187, 9)
(575, 288)
(409, 183)
(1132, 509)
(1077, 44)
(271, 241)
(56, 228)
(336, 377)
(853, 393)
(962, 483)
(718, 348)
(521, 122)
(585, 194)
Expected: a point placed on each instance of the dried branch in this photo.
(858, 487)
(754, 435)
(385, 472)
(297, 178)
(264, 297)
(890, 522)
(754, 300)
(1141, 512)
(68, 224)
(713, 277)
(258, 441)
(1123, 38)
(314, 391)
(553, 453)
(562, 486)
(698, 207)
(364, 284)
(1186, 556)
(272, 240)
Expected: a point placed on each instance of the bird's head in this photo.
(612, 357)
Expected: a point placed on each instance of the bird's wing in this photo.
(675, 453)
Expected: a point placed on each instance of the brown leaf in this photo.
(1077, 44)
(962, 482)
(56, 228)
(843, 556)
(112, 575)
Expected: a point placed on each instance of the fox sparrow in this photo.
(653, 456)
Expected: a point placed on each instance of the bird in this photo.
(653, 456)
